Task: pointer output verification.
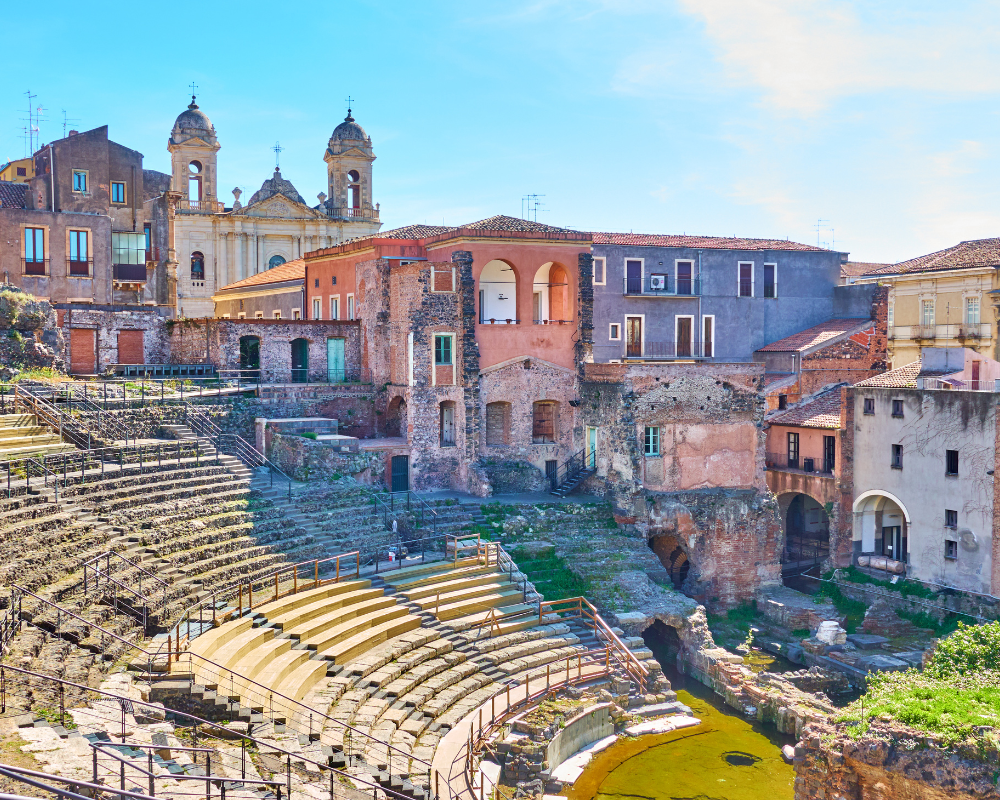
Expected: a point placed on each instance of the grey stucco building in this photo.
(699, 297)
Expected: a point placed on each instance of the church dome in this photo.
(276, 185)
(193, 123)
(349, 129)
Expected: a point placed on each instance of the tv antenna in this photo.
(277, 152)
(530, 205)
(31, 131)
(823, 225)
(67, 121)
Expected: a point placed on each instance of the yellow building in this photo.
(946, 299)
(20, 171)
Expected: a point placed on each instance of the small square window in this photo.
(276, 314)
(258, 315)
(117, 191)
(950, 518)
(782, 402)
(651, 441)
(315, 283)
(869, 405)
(615, 332)
(79, 180)
(897, 408)
(296, 314)
(22, 172)
(951, 550)
(951, 462)
(897, 456)
(334, 280)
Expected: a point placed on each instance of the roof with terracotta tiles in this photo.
(500, 222)
(964, 255)
(289, 271)
(823, 411)
(816, 335)
(854, 269)
(13, 195)
(901, 378)
(707, 242)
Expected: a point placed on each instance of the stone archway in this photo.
(807, 527)
(673, 556)
(395, 417)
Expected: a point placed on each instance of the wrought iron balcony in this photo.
(668, 351)
(35, 266)
(79, 267)
(810, 464)
(668, 287)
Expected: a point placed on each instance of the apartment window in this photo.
(350, 306)
(334, 281)
(117, 191)
(633, 276)
(897, 456)
(22, 172)
(746, 278)
(80, 180)
(897, 408)
(315, 283)
(258, 315)
(770, 280)
(296, 314)
(241, 315)
(793, 450)
(708, 343)
(78, 250)
(951, 549)
(34, 251)
(276, 314)
(869, 405)
(782, 402)
(600, 274)
(334, 306)
(951, 462)
(684, 271)
(926, 312)
(443, 355)
(615, 332)
(829, 453)
(317, 308)
(950, 518)
(971, 310)
(147, 235)
(890, 314)
(651, 441)
(543, 422)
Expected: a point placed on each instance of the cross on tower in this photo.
(194, 89)
(348, 104)
(277, 152)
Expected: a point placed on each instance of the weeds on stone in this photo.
(550, 575)
(922, 619)
(907, 588)
(854, 610)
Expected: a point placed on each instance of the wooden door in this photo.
(83, 351)
(633, 337)
(335, 360)
(683, 277)
(633, 277)
(400, 473)
(683, 337)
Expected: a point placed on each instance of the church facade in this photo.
(203, 245)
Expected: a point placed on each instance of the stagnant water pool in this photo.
(727, 757)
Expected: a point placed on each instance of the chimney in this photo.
(74, 133)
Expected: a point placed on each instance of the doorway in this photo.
(591, 448)
(633, 277)
(684, 325)
(633, 334)
(300, 361)
(400, 481)
(335, 361)
(448, 424)
(894, 542)
(249, 355)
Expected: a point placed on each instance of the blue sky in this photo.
(723, 117)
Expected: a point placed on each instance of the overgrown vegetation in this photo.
(905, 587)
(853, 610)
(957, 697)
(550, 574)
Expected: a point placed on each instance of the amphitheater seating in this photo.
(21, 436)
(453, 590)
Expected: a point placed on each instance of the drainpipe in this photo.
(701, 320)
(52, 176)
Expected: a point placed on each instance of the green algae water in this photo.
(727, 757)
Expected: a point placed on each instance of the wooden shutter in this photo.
(130, 347)
(82, 351)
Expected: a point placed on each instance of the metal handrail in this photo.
(571, 467)
(18, 773)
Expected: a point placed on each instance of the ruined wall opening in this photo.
(498, 423)
(395, 417)
(673, 557)
(300, 360)
(446, 423)
(664, 641)
(807, 535)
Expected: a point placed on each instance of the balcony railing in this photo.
(924, 331)
(654, 351)
(201, 206)
(970, 330)
(35, 266)
(130, 273)
(79, 268)
(812, 464)
(671, 287)
(346, 212)
(959, 385)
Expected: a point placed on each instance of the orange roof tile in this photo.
(289, 271)
(711, 242)
(816, 335)
(964, 255)
(823, 411)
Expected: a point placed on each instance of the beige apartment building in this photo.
(950, 298)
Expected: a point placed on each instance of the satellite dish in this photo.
(968, 540)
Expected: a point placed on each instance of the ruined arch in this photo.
(395, 417)
(673, 555)
(881, 525)
(807, 527)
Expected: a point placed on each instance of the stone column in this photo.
(223, 269)
(241, 258)
(585, 311)
(469, 353)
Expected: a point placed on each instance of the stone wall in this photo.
(307, 460)
(29, 336)
(108, 322)
(890, 762)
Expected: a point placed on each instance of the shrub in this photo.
(309, 435)
(970, 649)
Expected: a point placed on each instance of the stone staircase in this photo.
(22, 436)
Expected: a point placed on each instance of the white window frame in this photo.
(317, 307)
(296, 314)
(642, 326)
(968, 302)
(676, 282)
(454, 359)
(925, 303)
(774, 264)
(704, 318)
(276, 314)
(659, 451)
(890, 314)
(612, 336)
(258, 315)
(604, 271)
(334, 306)
(677, 319)
(753, 277)
(642, 275)
(241, 315)
(227, 316)
(350, 306)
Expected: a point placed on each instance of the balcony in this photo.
(35, 266)
(200, 206)
(79, 267)
(971, 330)
(668, 351)
(807, 464)
(958, 385)
(346, 212)
(669, 286)
(130, 273)
(923, 331)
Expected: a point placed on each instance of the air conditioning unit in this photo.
(658, 282)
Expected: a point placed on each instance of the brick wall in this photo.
(107, 322)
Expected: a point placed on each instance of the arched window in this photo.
(498, 423)
(498, 294)
(353, 189)
(550, 295)
(447, 427)
(197, 266)
(275, 261)
(544, 422)
(194, 181)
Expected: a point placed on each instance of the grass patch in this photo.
(309, 435)
(924, 620)
(907, 588)
(853, 610)
(551, 576)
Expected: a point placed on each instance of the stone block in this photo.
(867, 641)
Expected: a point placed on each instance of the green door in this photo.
(335, 360)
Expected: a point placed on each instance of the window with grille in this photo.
(951, 462)
(651, 441)
(543, 422)
(897, 456)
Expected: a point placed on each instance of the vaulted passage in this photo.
(807, 534)
(673, 557)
